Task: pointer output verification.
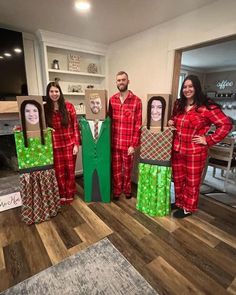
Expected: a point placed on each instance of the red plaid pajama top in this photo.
(126, 121)
(65, 136)
(198, 122)
(189, 158)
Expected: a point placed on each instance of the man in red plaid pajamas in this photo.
(125, 110)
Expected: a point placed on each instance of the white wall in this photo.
(148, 56)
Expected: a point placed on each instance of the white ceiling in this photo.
(108, 20)
(215, 57)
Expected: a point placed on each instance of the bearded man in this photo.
(125, 111)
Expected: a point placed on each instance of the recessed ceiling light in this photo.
(7, 54)
(82, 5)
(17, 50)
(1, 57)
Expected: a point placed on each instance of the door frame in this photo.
(177, 63)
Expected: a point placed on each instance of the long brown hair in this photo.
(49, 107)
(200, 99)
(22, 111)
(149, 110)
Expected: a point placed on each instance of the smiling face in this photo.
(156, 110)
(122, 82)
(189, 90)
(31, 114)
(54, 93)
(95, 105)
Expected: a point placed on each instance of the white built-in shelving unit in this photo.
(54, 46)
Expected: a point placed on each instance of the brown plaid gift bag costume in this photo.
(156, 147)
(153, 197)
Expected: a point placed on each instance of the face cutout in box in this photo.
(96, 104)
(31, 114)
(157, 109)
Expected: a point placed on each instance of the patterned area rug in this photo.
(99, 269)
(218, 195)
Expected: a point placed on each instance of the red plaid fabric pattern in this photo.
(156, 146)
(40, 196)
(121, 168)
(198, 122)
(187, 172)
(126, 121)
(65, 136)
(64, 163)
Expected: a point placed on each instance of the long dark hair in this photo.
(22, 111)
(200, 99)
(149, 108)
(49, 107)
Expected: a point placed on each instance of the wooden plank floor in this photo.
(196, 255)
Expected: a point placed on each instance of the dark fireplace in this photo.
(8, 159)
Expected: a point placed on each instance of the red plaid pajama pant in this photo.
(121, 168)
(64, 163)
(187, 173)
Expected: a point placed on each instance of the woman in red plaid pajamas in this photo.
(61, 116)
(192, 118)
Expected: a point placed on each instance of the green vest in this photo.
(96, 156)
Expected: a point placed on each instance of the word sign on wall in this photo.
(224, 83)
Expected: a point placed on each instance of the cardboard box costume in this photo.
(153, 196)
(96, 153)
(38, 185)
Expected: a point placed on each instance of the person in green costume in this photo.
(153, 196)
(96, 154)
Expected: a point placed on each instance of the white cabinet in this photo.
(74, 83)
(77, 71)
(91, 69)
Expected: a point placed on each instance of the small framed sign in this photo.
(10, 201)
(73, 57)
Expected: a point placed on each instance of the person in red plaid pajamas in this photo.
(61, 116)
(192, 118)
(125, 110)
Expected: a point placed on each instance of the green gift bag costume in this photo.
(153, 196)
(38, 185)
(96, 156)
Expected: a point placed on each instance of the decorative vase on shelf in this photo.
(55, 64)
(92, 68)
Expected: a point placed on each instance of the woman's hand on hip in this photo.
(199, 139)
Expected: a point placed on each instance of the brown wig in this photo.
(200, 99)
(49, 107)
(149, 108)
(22, 111)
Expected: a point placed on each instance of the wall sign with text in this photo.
(10, 201)
(224, 83)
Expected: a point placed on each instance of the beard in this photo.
(123, 87)
(95, 110)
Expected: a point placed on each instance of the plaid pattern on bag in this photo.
(156, 146)
(40, 196)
